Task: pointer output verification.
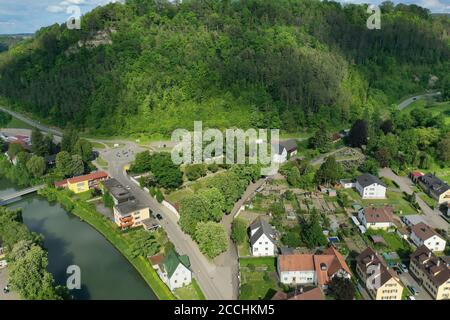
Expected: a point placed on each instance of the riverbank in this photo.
(87, 213)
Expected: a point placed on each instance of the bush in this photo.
(213, 167)
(195, 171)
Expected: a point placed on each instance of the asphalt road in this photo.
(402, 105)
(217, 280)
(432, 217)
(408, 280)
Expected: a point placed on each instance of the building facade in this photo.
(376, 218)
(380, 281)
(262, 238)
(130, 214)
(370, 187)
(433, 272)
(423, 234)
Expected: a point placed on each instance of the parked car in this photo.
(159, 217)
(404, 267)
(413, 290)
(412, 298)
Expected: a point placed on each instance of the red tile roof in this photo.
(62, 183)
(325, 265)
(88, 177)
(416, 174)
(378, 215)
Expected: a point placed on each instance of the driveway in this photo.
(3, 282)
(402, 105)
(432, 217)
(408, 280)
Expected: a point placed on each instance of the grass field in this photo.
(17, 124)
(190, 292)
(258, 278)
(395, 199)
(436, 108)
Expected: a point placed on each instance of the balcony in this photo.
(126, 224)
(126, 219)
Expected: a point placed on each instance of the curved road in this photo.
(402, 105)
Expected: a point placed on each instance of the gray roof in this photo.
(367, 179)
(434, 183)
(117, 190)
(129, 207)
(262, 228)
(290, 145)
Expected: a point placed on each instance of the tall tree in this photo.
(38, 146)
(358, 134)
(36, 166)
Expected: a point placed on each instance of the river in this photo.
(105, 273)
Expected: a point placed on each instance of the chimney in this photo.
(372, 257)
(429, 254)
(438, 263)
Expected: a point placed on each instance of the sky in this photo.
(27, 16)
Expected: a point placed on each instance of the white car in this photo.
(412, 298)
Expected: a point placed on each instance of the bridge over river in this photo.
(16, 195)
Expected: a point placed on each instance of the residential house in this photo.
(173, 269)
(435, 188)
(312, 269)
(415, 176)
(262, 238)
(381, 282)
(376, 218)
(130, 214)
(83, 183)
(118, 192)
(370, 187)
(432, 272)
(302, 294)
(286, 150)
(423, 234)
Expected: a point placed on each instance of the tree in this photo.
(38, 146)
(443, 149)
(76, 165)
(212, 238)
(63, 163)
(387, 126)
(69, 140)
(36, 166)
(330, 171)
(142, 163)
(342, 288)
(239, 231)
(14, 149)
(108, 200)
(83, 148)
(321, 140)
(215, 202)
(195, 171)
(29, 275)
(292, 238)
(143, 244)
(312, 234)
(370, 166)
(358, 134)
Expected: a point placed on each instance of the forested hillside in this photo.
(146, 68)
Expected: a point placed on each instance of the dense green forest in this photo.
(149, 67)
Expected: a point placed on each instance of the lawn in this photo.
(102, 162)
(394, 243)
(190, 292)
(393, 198)
(18, 124)
(258, 278)
(177, 196)
(98, 145)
